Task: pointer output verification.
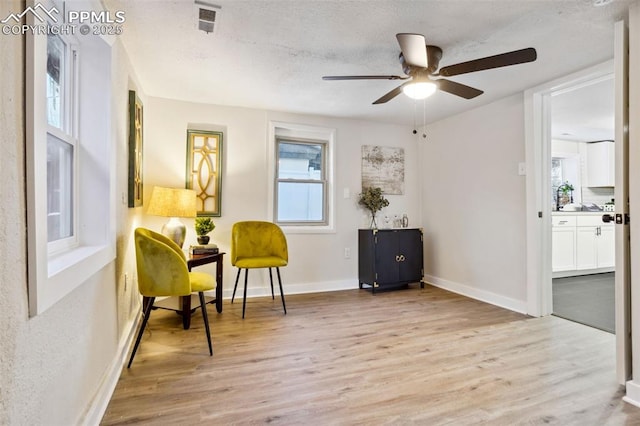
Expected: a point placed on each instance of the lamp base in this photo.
(175, 230)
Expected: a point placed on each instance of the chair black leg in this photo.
(203, 305)
(235, 286)
(244, 299)
(281, 292)
(271, 281)
(147, 303)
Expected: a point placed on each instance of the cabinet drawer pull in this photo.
(400, 258)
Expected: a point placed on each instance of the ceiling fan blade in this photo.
(458, 89)
(390, 95)
(363, 77)
(504, 59)
(413, 48)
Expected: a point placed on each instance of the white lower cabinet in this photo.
(563, 256)
(563, 243)
(582, 243)
(586, 247)
(607, 247)
(595, 243)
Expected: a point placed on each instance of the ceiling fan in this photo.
(420, 63)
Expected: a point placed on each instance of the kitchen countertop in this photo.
(579, 213)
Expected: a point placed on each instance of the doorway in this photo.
(582, 180)
(538, 193)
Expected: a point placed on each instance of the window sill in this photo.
(291, 229)
(58, 263)
(67, 271)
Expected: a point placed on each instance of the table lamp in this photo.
(173, 203)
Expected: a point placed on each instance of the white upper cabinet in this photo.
(601, 164)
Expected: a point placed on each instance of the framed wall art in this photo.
(204, 170)
(135, 150)
(383, 167)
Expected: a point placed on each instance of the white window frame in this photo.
(68, 133)
(295, 131)
(323, 181)
(54, 275)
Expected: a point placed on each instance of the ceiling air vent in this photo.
(207, 15)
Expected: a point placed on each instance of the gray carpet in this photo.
(587, 299)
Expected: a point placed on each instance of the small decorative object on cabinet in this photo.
(390, 258)
(372, 200)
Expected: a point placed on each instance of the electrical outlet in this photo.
(347, 253)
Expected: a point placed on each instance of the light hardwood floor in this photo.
(426, 357)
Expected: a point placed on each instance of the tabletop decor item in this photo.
(373, 200)
(173, 203)
(203, 226)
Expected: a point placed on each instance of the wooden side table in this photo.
(187, 305)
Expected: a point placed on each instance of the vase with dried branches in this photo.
(372, 199)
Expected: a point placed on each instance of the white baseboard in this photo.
(478, 294)
(100, 401)
(633, 393)
(289, 288)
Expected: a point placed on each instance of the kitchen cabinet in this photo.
(563, 243)
(389, 258)
(607, 246)
(582, 243)
(595, 243)
(601, 164)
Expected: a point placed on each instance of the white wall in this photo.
(316, 261)
(473, 203)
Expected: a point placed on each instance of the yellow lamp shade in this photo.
(173, 203)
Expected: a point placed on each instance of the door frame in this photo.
(537, 109)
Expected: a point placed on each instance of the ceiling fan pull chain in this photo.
(424, 118)
(415, 113)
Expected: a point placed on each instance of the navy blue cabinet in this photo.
(389, 258)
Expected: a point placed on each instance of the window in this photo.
(301, 184)
(70, 161)
(61, 84)
(301, 193)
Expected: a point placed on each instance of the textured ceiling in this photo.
(272, 54)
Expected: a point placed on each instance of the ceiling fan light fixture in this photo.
(419, 90)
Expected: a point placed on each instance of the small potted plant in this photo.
(203, 226)
(373, 200)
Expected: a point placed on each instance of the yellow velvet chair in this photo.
(162, 271)
(256, 244)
